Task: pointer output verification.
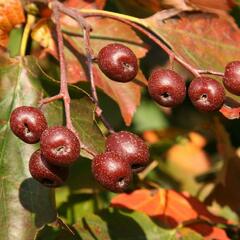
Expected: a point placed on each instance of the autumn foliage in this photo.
(190, 188)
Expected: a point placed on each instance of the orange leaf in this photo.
(11, 14)
(189, 157)
(99, 4)
(172, 208)
(230, 112)
(224, 5)
(150, 136)
(197, 139)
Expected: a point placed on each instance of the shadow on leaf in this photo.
(39, 200)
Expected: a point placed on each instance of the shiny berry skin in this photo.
(45, 173)
(111, 171)
(118, 62)
(59, 146)
(206, 94)
(166, 87)
(28, 123)
(231, 79)
(131, 148)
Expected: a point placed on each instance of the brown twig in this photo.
(71, 12)
(90, 57)
(210, 72)
(77, 16)
(63, 93)
(63, 76)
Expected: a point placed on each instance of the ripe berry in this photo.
(206, 94)
(111, 171)
(59, 146)
(45, 173)
(118, 62)
(131, 148)
(167, 87)
(28, 123)
(231, 78)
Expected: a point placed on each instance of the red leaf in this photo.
(172, 208)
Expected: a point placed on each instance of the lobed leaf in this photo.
(199, 40)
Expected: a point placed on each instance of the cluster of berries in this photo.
(167, 87)
(59, 146)
(125, 154)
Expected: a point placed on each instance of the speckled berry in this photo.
(130, 147)
(166, 87)
(45, 173)
(28, 123)
(111, 171)
(118, 62)
(231, 78)
(59, 146)
(206, 94)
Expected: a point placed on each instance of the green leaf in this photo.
(82, 115)
(149, 110)
(115, 224)
(25, 205)
(189, 234)
(14, 43)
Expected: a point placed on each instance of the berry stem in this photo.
(90, 57)
(77, 16)
(50, 99)
(63, 76)
(71, 12)
(210, 72)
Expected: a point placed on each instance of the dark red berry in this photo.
(111, 171)
(59, 146)
(118, 62)
(231, 78)
(45, 173)
(167, 87)
(130, 147)
(28, 123)
(206, 94)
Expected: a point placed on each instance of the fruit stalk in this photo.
(90, 57)
(63, 76)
